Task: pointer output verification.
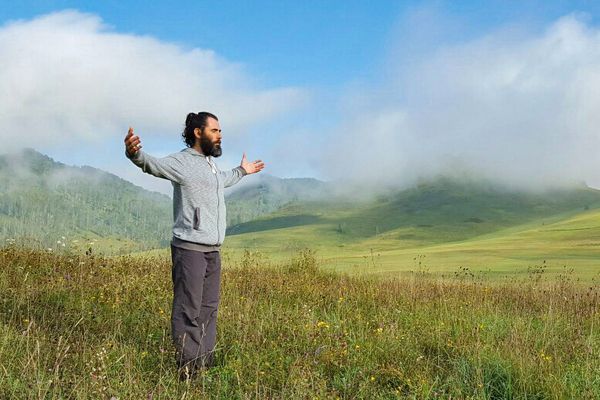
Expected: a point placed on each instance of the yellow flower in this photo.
(322, 324)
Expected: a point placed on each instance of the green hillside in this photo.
(269, 193)
(440, 211)
(48, 202)
(446, 225)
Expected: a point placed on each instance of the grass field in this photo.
(563, 242)
(85, 326)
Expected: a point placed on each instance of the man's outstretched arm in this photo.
(167, 167)
(233, 176)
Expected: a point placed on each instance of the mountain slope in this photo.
(270, 193)
(440, 211)
(45, 200)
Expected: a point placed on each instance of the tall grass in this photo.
(87, 326)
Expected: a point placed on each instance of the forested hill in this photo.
(269, 193)
(46, 200)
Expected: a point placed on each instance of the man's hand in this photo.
(251, 167)
(132, 143)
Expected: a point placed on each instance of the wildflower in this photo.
(322, 324)
(372, 378)
(379, 331)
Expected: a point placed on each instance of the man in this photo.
(198, 232)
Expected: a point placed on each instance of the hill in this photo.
(46, 200)
(443, 225)
(453, 222)
(269, 193)
(53, 203)
(439, 211)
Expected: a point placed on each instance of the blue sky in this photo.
(314, 43)
(310, 69)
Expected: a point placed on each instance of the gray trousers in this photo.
(196, 281)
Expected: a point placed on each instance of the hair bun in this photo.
(189, 118)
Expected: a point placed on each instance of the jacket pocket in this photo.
(196, 224)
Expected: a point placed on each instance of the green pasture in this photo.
(565, 243)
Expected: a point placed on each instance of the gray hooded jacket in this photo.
(199, 214)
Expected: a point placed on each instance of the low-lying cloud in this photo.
(68, 77)
(520, 109)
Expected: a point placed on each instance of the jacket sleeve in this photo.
(232, 176)
(168, 167)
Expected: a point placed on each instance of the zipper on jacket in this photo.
(218, 201)
(218, 204)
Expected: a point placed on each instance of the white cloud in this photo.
(521, 109)
(69, 77)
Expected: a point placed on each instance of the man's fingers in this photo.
(132, 139)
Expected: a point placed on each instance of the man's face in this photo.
(210, 138)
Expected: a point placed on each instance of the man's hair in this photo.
(192, 122)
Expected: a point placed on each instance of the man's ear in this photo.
(197, 132)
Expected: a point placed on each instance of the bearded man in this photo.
(198, 232)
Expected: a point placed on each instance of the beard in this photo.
(209, 148)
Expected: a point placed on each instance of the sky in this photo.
(377, 94)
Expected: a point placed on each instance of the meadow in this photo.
(78, 325)
(559, 243)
